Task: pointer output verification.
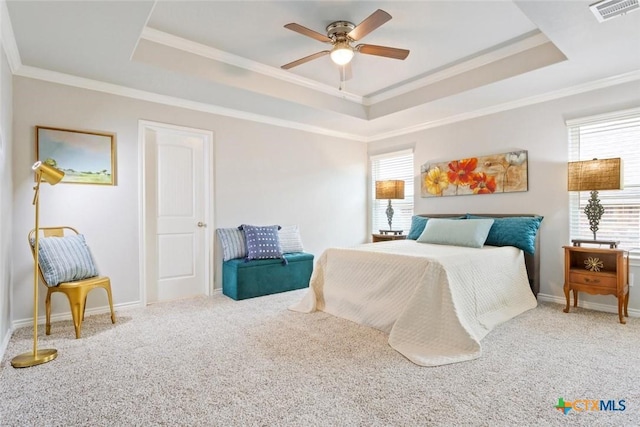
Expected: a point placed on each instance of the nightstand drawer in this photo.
(591, 279)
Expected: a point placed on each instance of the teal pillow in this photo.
(417, 227)
(518, 231)
(471, 232)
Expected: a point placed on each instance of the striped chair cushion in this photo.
(233, 243)
(65, 259)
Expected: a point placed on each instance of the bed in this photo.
(435, 301)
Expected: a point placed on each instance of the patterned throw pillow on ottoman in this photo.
(262, 242)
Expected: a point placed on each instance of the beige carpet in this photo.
(217, 362)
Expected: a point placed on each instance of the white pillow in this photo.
(465, 232)
(290, 240)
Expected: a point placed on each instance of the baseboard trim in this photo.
(588, 305)
(5, 343)
(20, 323)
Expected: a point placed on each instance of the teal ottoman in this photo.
(247, 279)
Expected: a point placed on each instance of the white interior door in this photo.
(177, 236)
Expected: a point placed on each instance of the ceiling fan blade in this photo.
(305, 59)
(345, 72)
(307, 32)
(388, 52)
(370, 23)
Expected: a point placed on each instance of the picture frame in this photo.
(86, 157)
(491, 174)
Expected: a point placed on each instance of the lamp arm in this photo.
(36, 190)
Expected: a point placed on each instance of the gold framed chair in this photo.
(76, 291)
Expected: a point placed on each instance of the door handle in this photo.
(201, 224)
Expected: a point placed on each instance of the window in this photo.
(602, 137)
(397, 165)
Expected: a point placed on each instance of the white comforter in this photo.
(436, 302)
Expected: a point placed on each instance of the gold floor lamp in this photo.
(37, 357)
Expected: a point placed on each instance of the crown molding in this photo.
(114, 89)
(9, 39)
(496, 54)
(180, 43)
(581, 121)
(537, 99)
(500, 52)
(70, 80)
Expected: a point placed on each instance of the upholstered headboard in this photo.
(532, 261)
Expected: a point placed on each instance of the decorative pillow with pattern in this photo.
(262, 242)
(233, 243)
(290, 240)
(65, 259)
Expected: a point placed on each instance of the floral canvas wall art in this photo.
(496, 173)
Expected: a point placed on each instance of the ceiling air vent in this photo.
(608, 9)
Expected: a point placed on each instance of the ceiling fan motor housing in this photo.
(338, 30)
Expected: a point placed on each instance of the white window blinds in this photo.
(392, 166)
(603, 137)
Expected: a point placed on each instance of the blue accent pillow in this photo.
(417, 227)
(518, 231)
(65, 259)
(233, 243)
(471, 232)
(262, 242)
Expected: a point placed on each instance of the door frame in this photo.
(208, 170)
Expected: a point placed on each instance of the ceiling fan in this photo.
(341, 34)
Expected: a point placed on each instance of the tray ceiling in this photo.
(467, 58)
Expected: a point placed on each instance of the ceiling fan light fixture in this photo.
(340, 34)
(342, 53)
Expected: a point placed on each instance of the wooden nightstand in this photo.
(611, 279)
(386, 237)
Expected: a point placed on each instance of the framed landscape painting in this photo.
(85, 157)
(496, 173)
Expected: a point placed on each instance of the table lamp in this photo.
(392, 189)
(594, 175)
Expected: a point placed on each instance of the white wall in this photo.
(263, 175)
(540, 129)
(266, 174)
(6, 198)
